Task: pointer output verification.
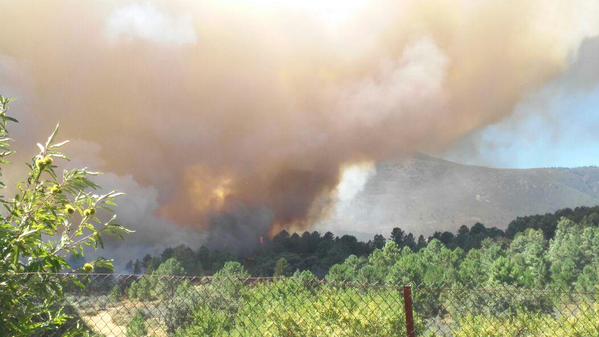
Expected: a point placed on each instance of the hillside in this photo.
(425, 194)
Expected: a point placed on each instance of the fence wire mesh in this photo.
(112, 305)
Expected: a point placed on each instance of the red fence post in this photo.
(408, 305)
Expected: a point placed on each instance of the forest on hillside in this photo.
(315, 252)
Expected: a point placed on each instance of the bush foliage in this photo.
(51, 217)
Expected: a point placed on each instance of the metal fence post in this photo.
(408, 305)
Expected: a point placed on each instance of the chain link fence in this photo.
(113, 305)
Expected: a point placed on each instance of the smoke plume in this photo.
(240, 115)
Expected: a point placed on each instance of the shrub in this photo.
(580, 322)
(161, 284)
(165, 278)
(207, 323)
(116, 293)
(294, 307)
(44, 223)
(137, 326)
(502, 300)
(179, 312)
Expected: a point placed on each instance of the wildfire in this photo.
(210, 194)
(206, 194)
(291, 228)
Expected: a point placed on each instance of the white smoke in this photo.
(147, 22)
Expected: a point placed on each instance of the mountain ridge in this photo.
(423, 194)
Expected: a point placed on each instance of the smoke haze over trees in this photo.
(318, 252)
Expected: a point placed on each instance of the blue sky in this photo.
(566, 136)
(558, 126)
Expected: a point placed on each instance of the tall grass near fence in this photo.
(234, 304)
